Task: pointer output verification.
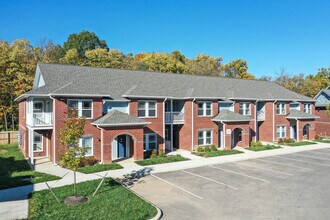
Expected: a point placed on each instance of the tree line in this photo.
(18, 61)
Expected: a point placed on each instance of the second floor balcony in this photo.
(39, 112)
(39, 119)
(174, 117)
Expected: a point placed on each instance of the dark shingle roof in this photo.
(118, 118)
(229, 116)
(294, 113)
(118, 84)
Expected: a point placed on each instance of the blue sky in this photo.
(293, 34)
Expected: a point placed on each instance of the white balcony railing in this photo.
(40, 119)
(261, 115)
(175, 117)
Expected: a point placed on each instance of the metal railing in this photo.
(174, 117)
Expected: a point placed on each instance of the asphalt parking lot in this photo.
(290, 186)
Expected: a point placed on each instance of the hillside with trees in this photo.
(18, 61)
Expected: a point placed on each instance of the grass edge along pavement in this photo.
(161, 160)
(99, 168)
(263, 147)
(15, 170)
(112, 201)
(217, 153)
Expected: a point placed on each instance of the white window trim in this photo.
(80, 106)
(43, 106)
(309, 108)
(204, 109)
(245, 108)
(281, 106)
(146, 139)
(42, 143)
(281, 131)
(92, 148)
(204, 137)
(147, 108)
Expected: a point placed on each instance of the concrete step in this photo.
(41, 160)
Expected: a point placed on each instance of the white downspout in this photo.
(274, 120)
(164, 140)
(297, 128)
(172, 124)
(54, 128)
(256, 121)
(192, 124)
(224, 135)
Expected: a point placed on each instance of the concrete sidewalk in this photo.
(13, 202)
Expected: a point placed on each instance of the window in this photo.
(87, 142)
(37, 143)
(83, 108)
(280, 108)
(245, 108)
(38, 106)
(150, 141)
(147, 109)
(307, 108)
(205, 137)
(294, 106)
(281, 131)
(205, 108)
(228, 106)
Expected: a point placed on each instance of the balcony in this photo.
(42, 119)
(174, 117)
(261, 115)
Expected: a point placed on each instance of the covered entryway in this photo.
(306, 131)
(236, 137)
(122, 147)
(293, 129)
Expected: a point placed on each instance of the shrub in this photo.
(280, 140)
(213, 148)
(255, 143)
(207, 148)
(161, 153)
(318, 137)
(289, 140)
(200, 149)
(154, 154)
(89, 161)
(147, 154)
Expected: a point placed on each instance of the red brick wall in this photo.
(61, 113)
(185, 131)
(266, 126)
(282, 120)
(322, 125)
(45, 139)
(205, 122)
(301, 125)
(245, 134)
(157, 124)
(110, 133)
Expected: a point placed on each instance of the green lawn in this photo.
(99, 167)
(217, 153)
(323, 141)
(112, 201)
(15, 171)
(300, 143)
(263, 147)
(160, 160)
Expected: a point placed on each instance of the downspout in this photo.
(274, 120)
(54, 127)
(297, 127)
(224, 135)
(256, 121)
(102, 159)
(192, 124)
(172, 119)
(164, 140)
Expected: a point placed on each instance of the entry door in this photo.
(293, 132)
(121, 146)
(220, 138)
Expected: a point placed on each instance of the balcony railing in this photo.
(261, 115)
(175, 117)
(40, 119)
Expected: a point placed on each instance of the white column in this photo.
(297, 128)
(171, 124)
(31, 156)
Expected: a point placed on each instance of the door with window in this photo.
(121, 140)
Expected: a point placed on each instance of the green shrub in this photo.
(213, 148)
(89, 161)
(289, 140)
(200, 149)
(154, 154)
(147, 154)
(255, 143)
(207, 149)
(161, 153)
(280, 141)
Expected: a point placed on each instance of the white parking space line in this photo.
(327, 165)
(318, 152)
(209, 179)
(242, 174)
(262, 168)
(312, 157)
(284, 164)
(165, 181)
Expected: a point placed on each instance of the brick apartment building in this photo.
(128, 112)
(323, 122)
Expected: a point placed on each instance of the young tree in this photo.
(69, 135)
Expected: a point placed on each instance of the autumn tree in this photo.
(69, 136)
(204, 64)
(236, 69)
(71, 57)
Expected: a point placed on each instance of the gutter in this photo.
(274, 120)
(256, 120)
(192, 124)
(164, 124)
(54, 127)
